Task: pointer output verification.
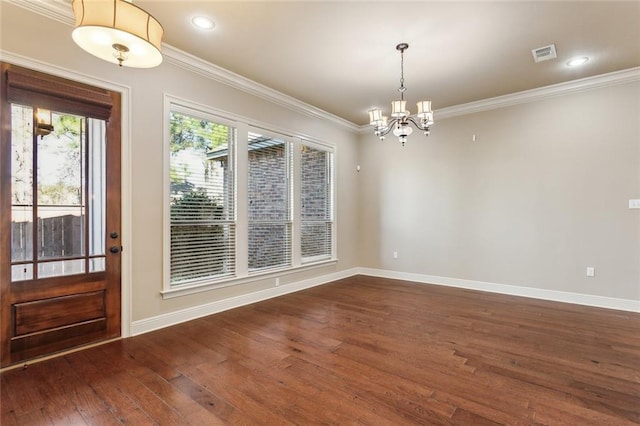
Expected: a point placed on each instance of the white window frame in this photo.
(243, 126)
(298, 199)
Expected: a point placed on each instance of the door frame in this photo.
(125, 173)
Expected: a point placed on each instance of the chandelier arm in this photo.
(418, 125)
(385, 130)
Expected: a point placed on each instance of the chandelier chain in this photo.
(402, 89)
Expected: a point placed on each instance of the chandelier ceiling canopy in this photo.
(401, 119)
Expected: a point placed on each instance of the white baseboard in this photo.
(172, 318)
(535, 293)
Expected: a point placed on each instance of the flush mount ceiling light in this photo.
(118, 32)
(402, 119)
(576, 62)
(203, 23)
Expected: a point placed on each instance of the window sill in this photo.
(228, 282)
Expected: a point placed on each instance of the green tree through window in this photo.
(202, 199)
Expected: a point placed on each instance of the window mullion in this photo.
(296, 205)
(242, 210)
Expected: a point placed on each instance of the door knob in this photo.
(114, 249)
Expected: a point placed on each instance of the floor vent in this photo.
(544, 53)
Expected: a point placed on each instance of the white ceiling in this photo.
(340, 55)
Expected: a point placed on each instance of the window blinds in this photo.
(316, 204)
(269, 202)
(202, 206)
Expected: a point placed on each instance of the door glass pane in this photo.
(60, 232)
(58, 194)
(22, 272)
(96, 264)
(21, 184)
(60, 184)
(62, 267)
(97, 187)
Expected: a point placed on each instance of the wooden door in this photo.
(60, 217)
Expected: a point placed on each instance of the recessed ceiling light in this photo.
(203, 23)
(576, 62)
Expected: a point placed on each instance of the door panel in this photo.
(60, 212)
(45, 314)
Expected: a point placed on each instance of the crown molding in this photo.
(583, 84)
(207, 69)
(60, 10)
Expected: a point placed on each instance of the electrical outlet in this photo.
(277, 282)
(591, 271)
(395, 254)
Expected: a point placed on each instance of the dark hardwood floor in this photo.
(358, 351)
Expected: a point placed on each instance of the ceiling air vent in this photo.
(544, 53)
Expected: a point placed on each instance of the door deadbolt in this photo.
(114, 235)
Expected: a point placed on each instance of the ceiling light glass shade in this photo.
(399, 109)
(402, 130)
(119, 32)
(375, 116)
(424, 109)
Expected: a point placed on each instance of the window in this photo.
(269, 206)
(316, 210)
(202, 198)
(242, 201)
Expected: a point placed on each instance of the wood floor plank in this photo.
(26, 393)
(361, 350)
(201, 396)
(227, 385)
(191, 411)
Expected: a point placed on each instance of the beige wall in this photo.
(55, 46)
(539, 196)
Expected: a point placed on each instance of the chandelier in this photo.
(118, 32)
(401, 118)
